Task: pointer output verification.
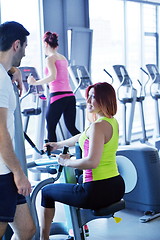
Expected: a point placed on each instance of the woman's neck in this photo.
(53, 52)
(99, 115)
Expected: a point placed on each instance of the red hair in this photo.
(105, 96)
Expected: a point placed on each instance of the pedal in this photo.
(147, 218)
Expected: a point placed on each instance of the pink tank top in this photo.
(61, 83)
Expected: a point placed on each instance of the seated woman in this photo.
(102, 184)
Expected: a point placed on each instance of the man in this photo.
(14, 185)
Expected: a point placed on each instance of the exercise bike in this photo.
(78, 217)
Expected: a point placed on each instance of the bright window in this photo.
(26, 13)
(124, 33)
(107, 22)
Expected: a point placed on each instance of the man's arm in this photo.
(9, 157)
(17, 77)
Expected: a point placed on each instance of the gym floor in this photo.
(130, 228)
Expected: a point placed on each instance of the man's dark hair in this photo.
(10, 32)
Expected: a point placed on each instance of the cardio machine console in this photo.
(154, 73)
(84, 75)
(26, 71)
(80, 79)
(122, 75)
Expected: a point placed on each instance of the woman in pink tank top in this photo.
(62, 99)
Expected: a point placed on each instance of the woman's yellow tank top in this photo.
(107, 167)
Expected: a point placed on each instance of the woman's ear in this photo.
(45, 44)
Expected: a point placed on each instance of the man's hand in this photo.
(17, 77)
(22, 183)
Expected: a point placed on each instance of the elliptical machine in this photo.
(155, 94)
(143, 164)
(127, 95)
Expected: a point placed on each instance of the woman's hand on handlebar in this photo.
(53, 146)
(64, 159)
(31, 80)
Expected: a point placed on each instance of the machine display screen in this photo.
(26, 71)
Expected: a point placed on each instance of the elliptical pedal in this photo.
(149, 216)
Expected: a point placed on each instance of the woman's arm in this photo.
(68, 142)
(97, 136)
(50, 63)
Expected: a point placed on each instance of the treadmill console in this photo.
(26, 71)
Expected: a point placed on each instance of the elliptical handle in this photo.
(79, 74)
(144, 71)
(41, 152)
(65, 151)
(146, 81)
(48, 148)
(108, 75)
